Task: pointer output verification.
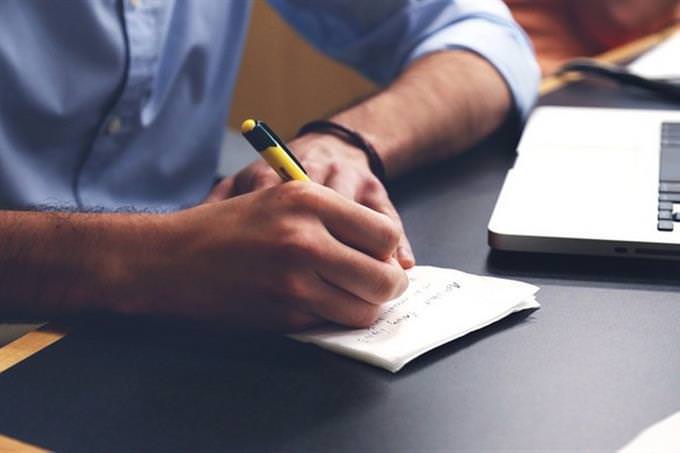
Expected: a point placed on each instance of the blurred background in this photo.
(287, 83)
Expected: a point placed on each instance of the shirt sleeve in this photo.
(381, 37)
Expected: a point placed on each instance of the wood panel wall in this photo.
(286, 82)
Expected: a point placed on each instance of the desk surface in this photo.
(598, 363)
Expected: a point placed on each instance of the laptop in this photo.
(593, 181)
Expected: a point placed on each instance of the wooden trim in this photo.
(9, 445)
(630, 50)
(24, 347)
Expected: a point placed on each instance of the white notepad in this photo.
(439, 305)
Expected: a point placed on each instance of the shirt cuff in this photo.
(502, 44)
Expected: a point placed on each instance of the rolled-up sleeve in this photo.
(381, 37)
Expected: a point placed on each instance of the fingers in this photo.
(221, 191)
(323, 299)
(255, 177)
(359, 227)
(346, 184)
(259, 176)
(372, 194)
(372, 280)
(380, 201)
(316, 171)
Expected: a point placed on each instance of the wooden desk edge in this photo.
(33, 342)
(27, 345)
(9, 445)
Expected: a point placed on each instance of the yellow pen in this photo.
(273, 150)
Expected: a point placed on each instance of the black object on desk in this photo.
(665, 88)
(598, 363)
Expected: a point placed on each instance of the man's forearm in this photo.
(217, 263)
(441, 104)
(64, 263)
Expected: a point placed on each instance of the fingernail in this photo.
(405, 257)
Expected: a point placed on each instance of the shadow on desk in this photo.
(599, 271)
(208, 388)
(202, 389)
(517, 320)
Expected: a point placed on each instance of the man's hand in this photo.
(283, 258)
(441, 104)
(333, 163)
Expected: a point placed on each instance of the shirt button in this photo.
(114, 126)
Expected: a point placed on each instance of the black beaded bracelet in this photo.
(351, 137)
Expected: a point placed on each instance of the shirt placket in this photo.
(142, 32)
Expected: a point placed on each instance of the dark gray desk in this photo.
(598, 363)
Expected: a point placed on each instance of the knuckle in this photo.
(300, 243)
(334, 168)
(302, 194)
(390, 232)
(373, 186)
(385, 287)
(313, 167)
(287, 195)
(295, 189)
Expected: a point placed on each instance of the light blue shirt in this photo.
(122, 103)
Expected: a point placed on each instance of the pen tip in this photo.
(248, 125)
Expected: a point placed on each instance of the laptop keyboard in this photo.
(669, 176)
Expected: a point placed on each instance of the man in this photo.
(110, 105)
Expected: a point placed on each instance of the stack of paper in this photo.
(439, 305)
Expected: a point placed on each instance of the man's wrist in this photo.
(137, 250)
(62, 263)
(110, 257)
(350, 137)
(314, 142)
